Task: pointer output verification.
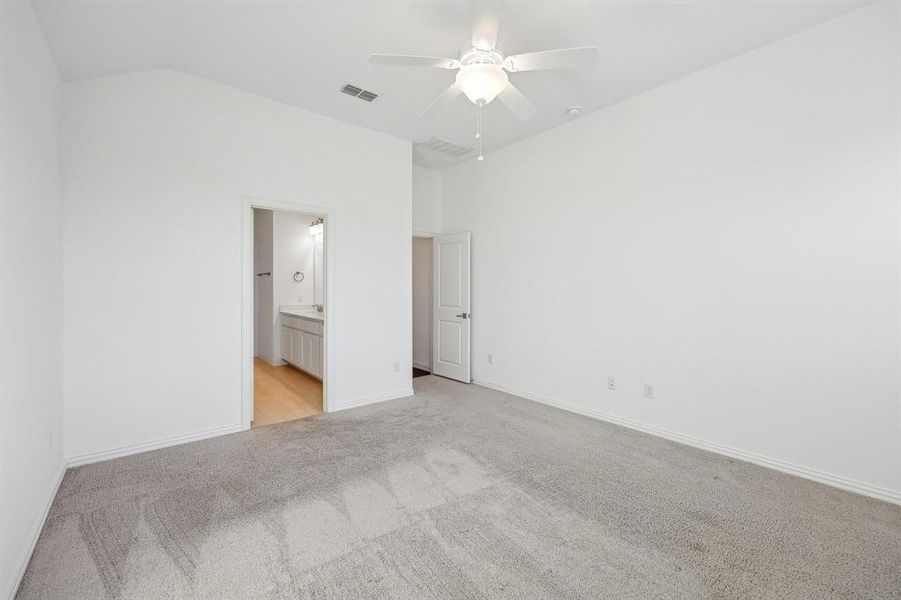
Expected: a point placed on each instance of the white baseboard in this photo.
(33, 535)
(423, 366)
(277, 363)
(838, 481)
(92, 457)
(363, 401)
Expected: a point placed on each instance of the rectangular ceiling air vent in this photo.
(444, 146)
(352, 90)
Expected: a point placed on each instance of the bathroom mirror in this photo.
(318, 272)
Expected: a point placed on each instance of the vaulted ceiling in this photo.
(302, 53)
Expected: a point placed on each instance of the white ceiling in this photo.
(302, 53)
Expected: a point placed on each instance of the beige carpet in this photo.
(460, 492)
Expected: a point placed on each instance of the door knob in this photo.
(464, 316)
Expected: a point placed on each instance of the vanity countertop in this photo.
(303, 313)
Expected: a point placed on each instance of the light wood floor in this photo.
(283, 394)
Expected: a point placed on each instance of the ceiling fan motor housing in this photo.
(472, 56)
(481, 75)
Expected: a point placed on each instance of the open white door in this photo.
(450, 338)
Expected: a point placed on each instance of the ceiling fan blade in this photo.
(486, 18)
(568, 58)
(518, 104)
(446, 97)
(404, 60)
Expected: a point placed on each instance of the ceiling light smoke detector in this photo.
(574, 111)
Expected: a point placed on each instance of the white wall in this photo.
(422, 302)
(31, 410)
(156, 165)
(426, 200)
(263, 333)
(731, 237)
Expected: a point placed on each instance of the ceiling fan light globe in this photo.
(482, 82)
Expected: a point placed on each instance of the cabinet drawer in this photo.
(308, 325)
(293, 322)
(314, 327)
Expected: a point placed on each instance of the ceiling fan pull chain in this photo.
(479, 122)
(479, 131)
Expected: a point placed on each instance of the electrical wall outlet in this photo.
(396, 366)
(300, 299)
(490, 358)
(649, 391)
(611, 383)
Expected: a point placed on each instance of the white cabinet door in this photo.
(296, 347)
(302, 349)
(290, 344)
(286, 343)
(316, 356)
(307, 349)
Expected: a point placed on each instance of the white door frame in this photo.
(247, 321)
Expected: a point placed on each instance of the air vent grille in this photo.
(356, 92)
(439, 145)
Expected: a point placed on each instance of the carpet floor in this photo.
(459, 492)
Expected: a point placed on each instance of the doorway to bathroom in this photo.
(288, 325)
(422, 306)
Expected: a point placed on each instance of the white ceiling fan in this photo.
(482, 68)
